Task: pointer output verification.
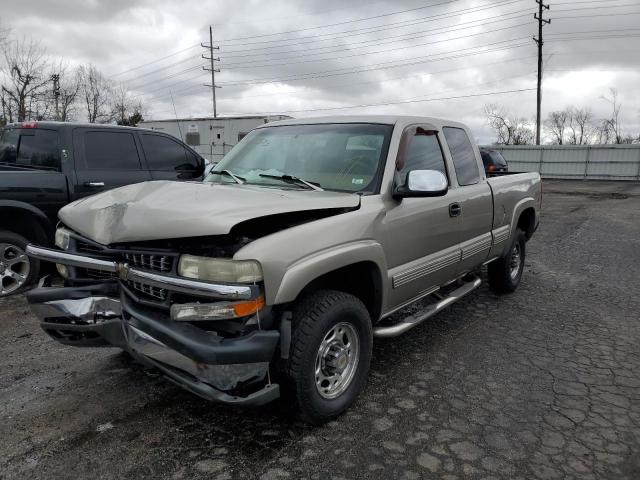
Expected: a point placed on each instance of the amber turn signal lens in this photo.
(242, 309)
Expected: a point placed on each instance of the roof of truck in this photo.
(56, 125)
(380, 119)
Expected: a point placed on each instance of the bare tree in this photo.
(96, 92)
(611, 128)
(125, 109)
(580, 124)
(509, 130)
(557, 123)
(25, 69)
(68, 88)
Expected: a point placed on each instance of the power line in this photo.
(385, 65)
(385, 26)
(403, 36)
(400, 102)
(338, 23)
(403, 77)
(236, 66)
(439, 29)
(154, 61)
(167, 77)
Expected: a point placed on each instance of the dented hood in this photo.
(168, 209)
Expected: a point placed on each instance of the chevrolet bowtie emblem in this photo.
(123, 271)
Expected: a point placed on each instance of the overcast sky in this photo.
(305, 57)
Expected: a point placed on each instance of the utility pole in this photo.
(211, 69)
(541, 22)
(55, 78)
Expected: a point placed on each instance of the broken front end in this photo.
(182, 306)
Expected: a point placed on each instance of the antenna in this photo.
(176, 114)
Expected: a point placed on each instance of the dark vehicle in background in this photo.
(493, 161)
(46, 165)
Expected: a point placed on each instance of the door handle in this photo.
(455, 210)
(94, 184)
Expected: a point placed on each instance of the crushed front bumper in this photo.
(200, 361)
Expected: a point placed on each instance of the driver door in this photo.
(421, 234)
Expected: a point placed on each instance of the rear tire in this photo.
(505, 273)
(329, 356)
(17, 271)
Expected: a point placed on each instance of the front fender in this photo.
(302, 272)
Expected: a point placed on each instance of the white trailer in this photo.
(210, 137)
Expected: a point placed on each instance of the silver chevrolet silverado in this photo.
(277, 271)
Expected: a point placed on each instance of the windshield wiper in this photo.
(292, 179)
(237, 178)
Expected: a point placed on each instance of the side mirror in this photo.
(422, 183)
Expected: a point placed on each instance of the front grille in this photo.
(85, 247)
(95, 274)
(154, 292)
(159, 263)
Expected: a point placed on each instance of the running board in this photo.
(413, 320)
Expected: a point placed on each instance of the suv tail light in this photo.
(29, 124)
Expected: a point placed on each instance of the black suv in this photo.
(493, 161)
(45, 165)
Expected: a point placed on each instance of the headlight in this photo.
(62, 238)
(220, 269)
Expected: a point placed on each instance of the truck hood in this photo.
(169, 209)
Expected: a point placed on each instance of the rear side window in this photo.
(111, 151)
(166, 154)
(31, 148)
(464, 159)
(421, 153)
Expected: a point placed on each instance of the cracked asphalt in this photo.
(540, 384)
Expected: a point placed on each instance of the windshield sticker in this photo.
(357, 181)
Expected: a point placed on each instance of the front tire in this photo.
(330, 354)
(17, 271)
(505, 273)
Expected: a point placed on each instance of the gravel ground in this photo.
(543, 383)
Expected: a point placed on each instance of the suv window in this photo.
(111, 151)
(422, 152)
(166, 154)
(464, 159)
(36, 148)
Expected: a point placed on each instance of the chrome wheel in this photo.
(515, 261)
(337, 360)
(14, 268)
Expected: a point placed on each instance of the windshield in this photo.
(343, 157)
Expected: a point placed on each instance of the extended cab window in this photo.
(420, 150)
(464, 159)
(166, 154)
(111, 151)
(31, 148)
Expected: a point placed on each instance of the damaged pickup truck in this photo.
(277, 271)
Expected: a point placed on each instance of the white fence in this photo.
(593, 162)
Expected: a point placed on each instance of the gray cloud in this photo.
(418, 57)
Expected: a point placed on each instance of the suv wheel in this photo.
(17, 270)
(329, 355)
(505, 273)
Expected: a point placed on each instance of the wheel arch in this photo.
(26, 220)
(527, 221)
(358, 269)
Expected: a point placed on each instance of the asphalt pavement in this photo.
(540, 384)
